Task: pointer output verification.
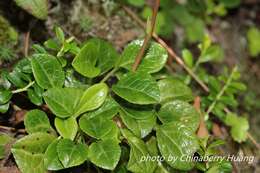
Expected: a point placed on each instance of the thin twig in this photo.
(109, 75)
(23, 89)
(148, 36)
(26, 43)
(170, 51)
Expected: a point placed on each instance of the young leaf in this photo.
(38, 8)
(63, 102)
(67, 128)
(60, 34)
(138, 88)
(96, 127)
(92, 98)
(105, 154)
(187, 57)
(29, 151)
(71, 154)
(37, 121)
(179, 111)
(138, 151)
(51, 159)
(176, 140)
(95, 57)
(174, 89)
(140, 127)
(47, 71)
(153, 61)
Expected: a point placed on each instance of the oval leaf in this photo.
(47, 71)
(138, 88)
(67, 128)
(105, 154)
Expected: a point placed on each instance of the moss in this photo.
(8, 35)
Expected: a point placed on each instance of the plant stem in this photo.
(23, 89)
(109, 75)
(147, 37)
(222, 91)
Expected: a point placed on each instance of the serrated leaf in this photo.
(71, 154)
(29, 150)
(51, 159)
(105, 154)
(63, 102)
(67, 128)
(153, 61)
(138, 151)
(179, 111)
(38, 8)
(177, 140)
(96, 127)
(37, 121)
(95, 57)
(140, 127)
(138, 88)
(47, 71)
(174, 89)
(92, 98)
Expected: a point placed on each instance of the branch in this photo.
(23, 89)
(148, 36)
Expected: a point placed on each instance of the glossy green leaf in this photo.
(96, 127)
(179, 111)
(47, 71)
(153, 61)
(35, 95)
(71, 154)
(105, 154)
(37, 121)
(29, 152)
(107, 111)
(38, 8)
(5, 96)
(67, 128)
(138, 151)
(51, 159)
(95, 58)
(138, 88)
(63, 102)
(179, 141)
(92, 98)
(140, 127)
(174, 89)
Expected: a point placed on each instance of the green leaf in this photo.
(92, 98)
(5, 96)
(178, 141)
(253, 37)
(174, 89)
(105, 154)
(239, 127)
(212, 53)
(51, 159)
(230, 3)
(138, 88)
(67, 128)
(47, 71)
(63, 102)
(187, 57)
(153, 61)
(60, 34)
(138, 151)
(4, 108)
(107, 111)
(141, 127)
(96, 127)
(71, 154)
(179, 111)
(95, 57)
(35, 94)
(37, 121)
(38, 8)
(29, 152)
(137, 3)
